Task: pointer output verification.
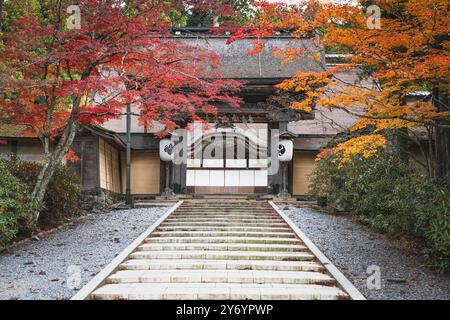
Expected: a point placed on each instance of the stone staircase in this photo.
(221, 249)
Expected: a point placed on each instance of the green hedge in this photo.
(16, 207)
(391, 196)
(63, 196)
(433, 221)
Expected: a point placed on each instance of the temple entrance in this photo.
(228, 161)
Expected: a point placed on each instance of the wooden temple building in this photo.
(103, 150)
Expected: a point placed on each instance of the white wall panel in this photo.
(246, 178)
(190, 178)
(257, 163)
(216, 178)
(236, 163)
(194, 163)
(260, 178)
(202, 178)
(213, 163)
(232, 178)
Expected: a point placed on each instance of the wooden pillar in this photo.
(120, 172)
(179, 171)
(274, 180)
(290, 180)
(284, 193)
(442, 134)
(179, 178)
(169, 179)
(82, 160)
(14, 147)
(129, 197)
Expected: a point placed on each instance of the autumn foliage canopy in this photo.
(53, 76)
(406, 52)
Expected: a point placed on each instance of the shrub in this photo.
(328, 182)
(385, 192)
(391, 196)
(16, 207)
(63, 195)
(433, 221)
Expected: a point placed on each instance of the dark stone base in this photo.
(98, 198)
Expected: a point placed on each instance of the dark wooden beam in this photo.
(129, 197)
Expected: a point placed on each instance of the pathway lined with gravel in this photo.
(51, 267)
(353, 247)
(219, 250)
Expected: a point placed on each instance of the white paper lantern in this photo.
(166, 149)
(285, 150)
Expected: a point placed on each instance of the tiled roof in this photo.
(15, 131)
(236, 64)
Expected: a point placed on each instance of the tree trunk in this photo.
(396, 143)
(1, 14)
(442, 134)
(51, 162)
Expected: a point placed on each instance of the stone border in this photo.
(342, 281)
(99, 279)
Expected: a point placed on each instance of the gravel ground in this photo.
(45, 269)
(353, 247)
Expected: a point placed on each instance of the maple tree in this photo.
(365, 146)
(12, 9)
(1, 11)
(207, 13)
(54, 79)
(408, 53)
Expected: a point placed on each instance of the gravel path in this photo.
(353, 247)
(46, 269)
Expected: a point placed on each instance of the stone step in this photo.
(228, 222)
(223, 255)
(220, 276)
(254, 210)
(223, 203)
(221, 247)
(221, 291)
(222, 200)
(214, 216)
(224, 228)
(222, 224)
(222, 234)
(256, 240)
(237, 208)
(224, 220)
(224, 206)
(218, 217)
(160, 264)
(229, 207)
(242, 211)
(234, 209)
